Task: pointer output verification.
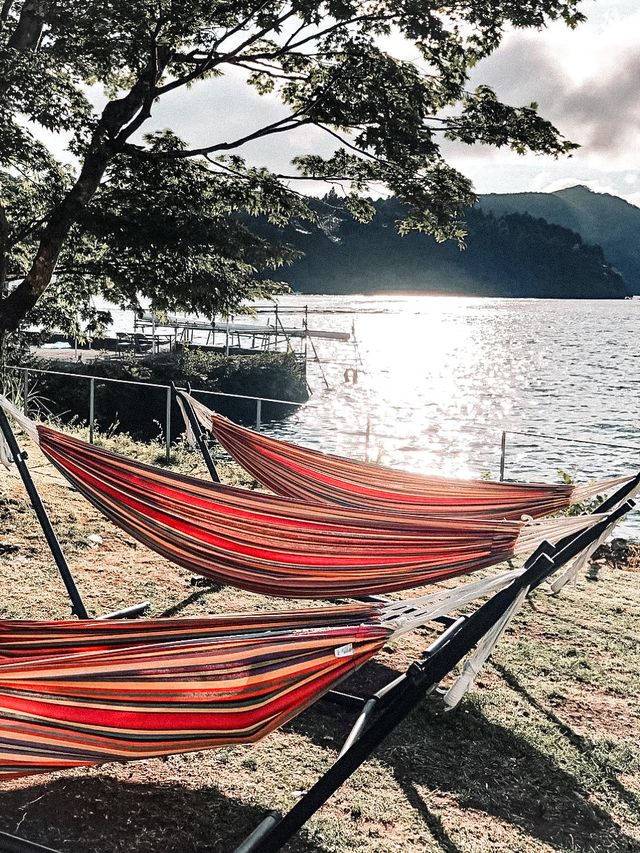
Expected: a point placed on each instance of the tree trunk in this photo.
(26, 35)
(115, 116)
(21, 300)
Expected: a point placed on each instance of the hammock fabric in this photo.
(80, 693)
(277, 546)
(75, 693)
(298, 472)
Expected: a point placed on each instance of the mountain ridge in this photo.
(508, 254)
(601, 218)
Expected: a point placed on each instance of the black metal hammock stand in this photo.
(382, 712)
(77, 605)
(385, 710)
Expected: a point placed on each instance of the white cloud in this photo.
(586, 82)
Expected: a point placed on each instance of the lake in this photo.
(441, 377)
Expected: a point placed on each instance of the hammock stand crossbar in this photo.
(77, 605)
(382, 712)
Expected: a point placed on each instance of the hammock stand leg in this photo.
(199, 435)
(391, 705)
(77, 605)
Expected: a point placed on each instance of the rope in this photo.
(477, 660)
(405, 616)
(25, 423)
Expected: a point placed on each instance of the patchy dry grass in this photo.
(544, 756)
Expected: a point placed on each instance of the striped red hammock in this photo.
(80, 693)
(299, 472)
(77, 693)
(277, 546)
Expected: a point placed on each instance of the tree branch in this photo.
(159, 57)
(213, 58)
(240, 25)
(281, 126)
(6, 8)
(288, 48)
(274, 74)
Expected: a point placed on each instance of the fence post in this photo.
(258, 414)
(92, 407)
(367, 439)
(503, 450)
(167, 426)
(25, 391)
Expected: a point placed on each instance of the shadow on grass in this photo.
(486, 767)
(584, 745)
(85, 815)
(203, 588)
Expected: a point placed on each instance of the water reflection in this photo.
(441, 377)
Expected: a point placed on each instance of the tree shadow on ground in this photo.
(100, 813)
(192, 598)
(485, 766)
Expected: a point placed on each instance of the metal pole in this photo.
(167, 426)
(92, 407)
(199, 435)
(503, 450)
(25, 392)
(258, 414)
(19, 457)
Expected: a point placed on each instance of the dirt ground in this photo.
(543, 756)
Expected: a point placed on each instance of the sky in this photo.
(586, 81)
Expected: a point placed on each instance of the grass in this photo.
(543, 756)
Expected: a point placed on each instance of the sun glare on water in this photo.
(416, 369)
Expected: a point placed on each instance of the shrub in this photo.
(141, 411)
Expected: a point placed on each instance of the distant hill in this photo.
(513, 255)
(599, 218)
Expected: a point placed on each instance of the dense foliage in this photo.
(510, 255)
(123, 214)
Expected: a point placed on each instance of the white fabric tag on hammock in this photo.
(344, 651)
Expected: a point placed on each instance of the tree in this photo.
(147, 214)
